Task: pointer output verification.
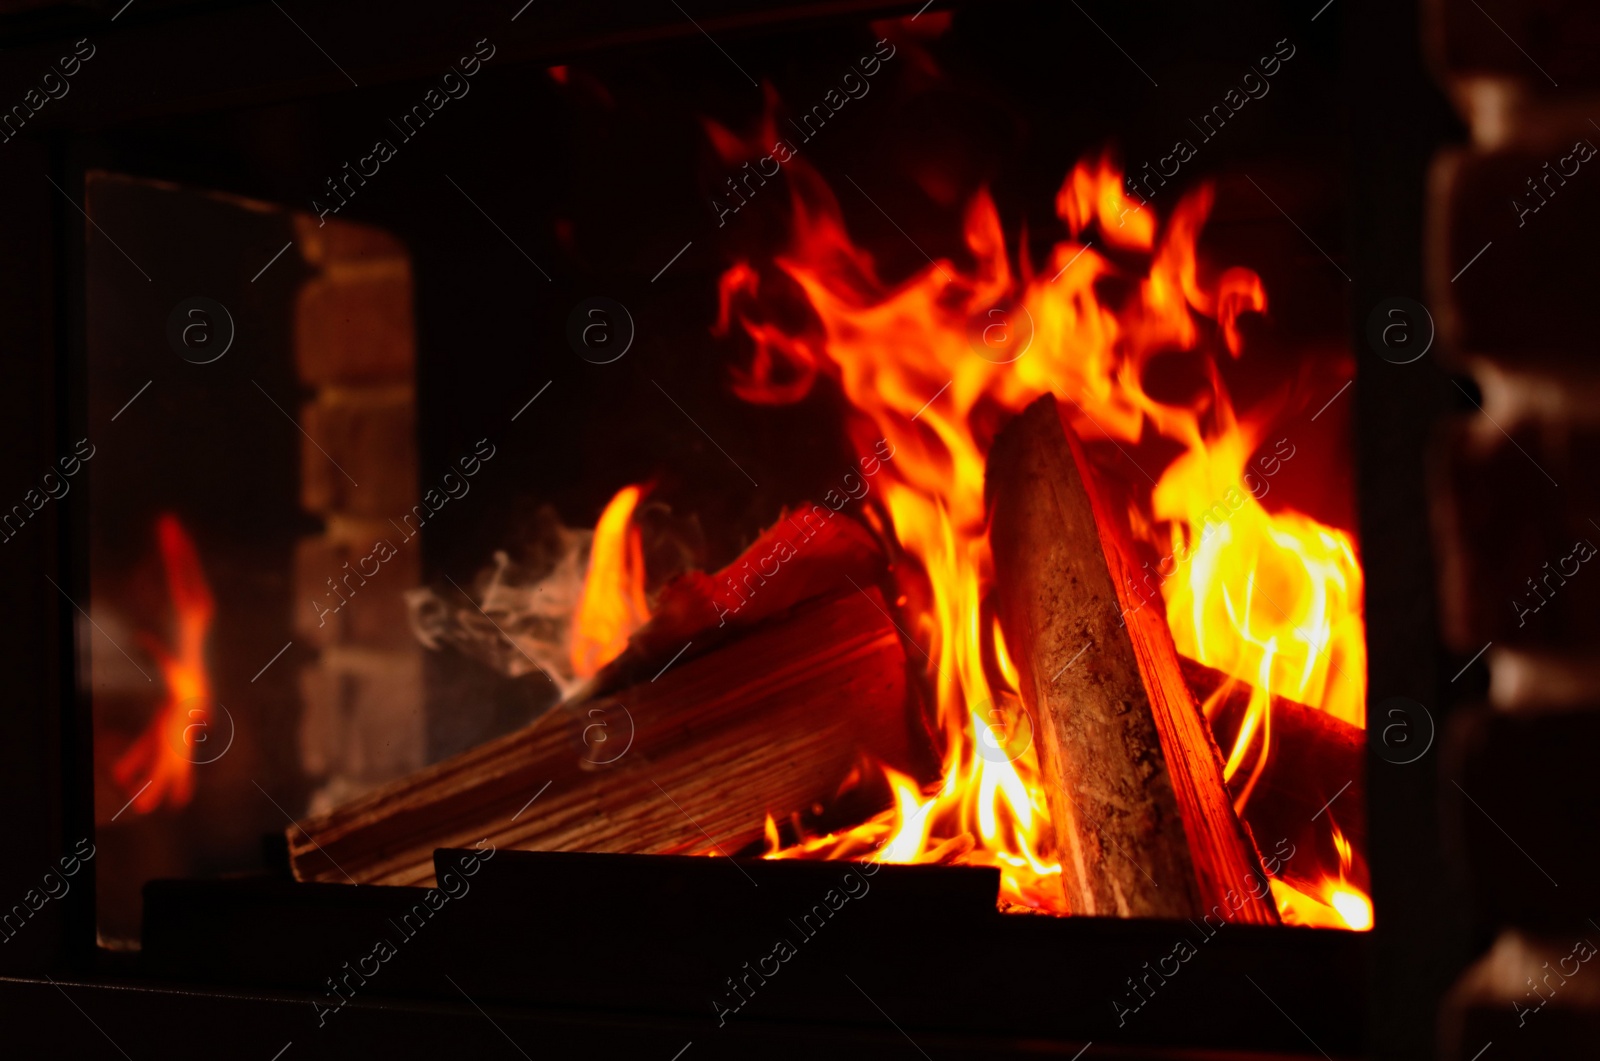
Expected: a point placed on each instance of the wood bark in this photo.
(1144, 825)
(691, 761)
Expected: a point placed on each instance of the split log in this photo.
(1144, 825)
(809, 552)
(1315, 775)
(690, 761)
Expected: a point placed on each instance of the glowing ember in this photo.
(936, 365)
(156, 766)
(613, 603)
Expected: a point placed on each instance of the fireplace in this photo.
(706, 469)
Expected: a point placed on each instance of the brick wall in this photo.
(1513, 232)
(355, 356)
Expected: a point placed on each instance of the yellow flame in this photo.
(1272, 598)
(613, 605)
(1353, 907)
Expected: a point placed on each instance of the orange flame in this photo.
(1336, 903)
(1272, 598)
(154, 766)
(613, 603)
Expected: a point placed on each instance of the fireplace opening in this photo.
(904, 459)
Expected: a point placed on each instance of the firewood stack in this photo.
(711, 720)
(714, 717)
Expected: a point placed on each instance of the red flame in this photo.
(154, 767)
(1271, 598)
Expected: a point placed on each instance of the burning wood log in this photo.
(807, 553)
(1316, 769)
(1144, 825)
(689, 761)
